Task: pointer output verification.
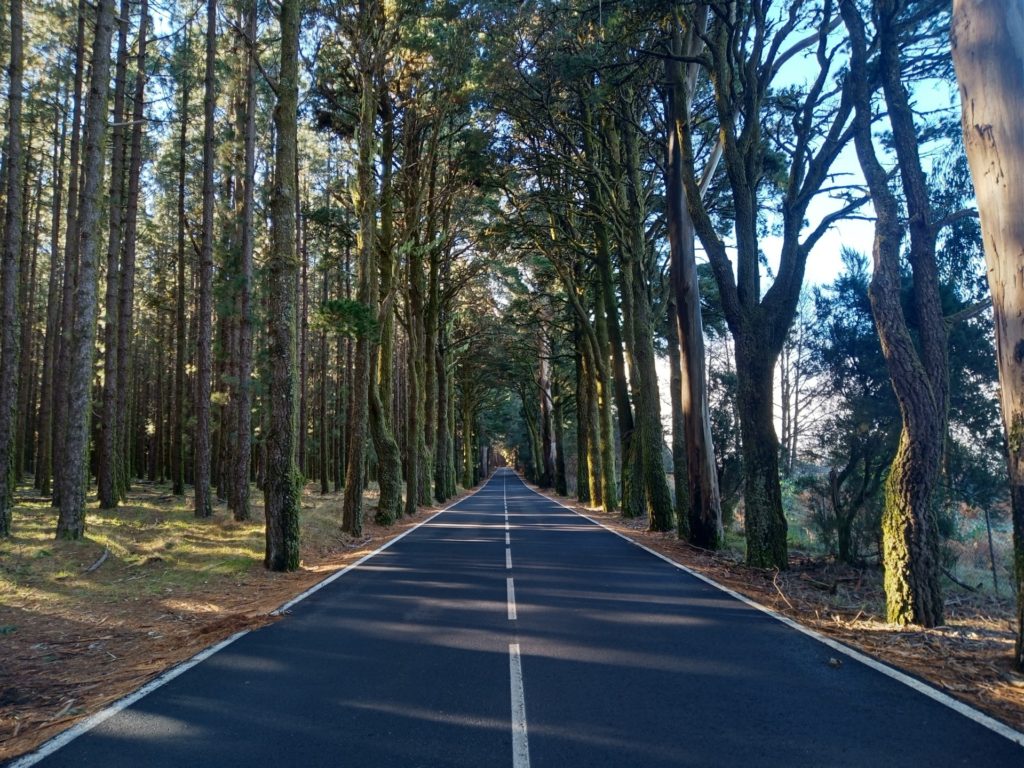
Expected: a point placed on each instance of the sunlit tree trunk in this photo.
(988, 53)
(702, 506)
(919, 369)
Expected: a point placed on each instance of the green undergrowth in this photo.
(151, 545)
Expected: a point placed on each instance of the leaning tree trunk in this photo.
(988, 53)
(15, 164)
(282, 495)
(204, 352)
(918, 368)
(71, 521)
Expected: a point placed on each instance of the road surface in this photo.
(509, 631)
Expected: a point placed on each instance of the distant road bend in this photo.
(508, 630)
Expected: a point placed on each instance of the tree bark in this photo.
(988, 53)
(910, 542)
(243, 448)
(352, 508)
(282, 494)
(703, 505)
(126, 311)
(204, 343)
(71, 521)
(180, 329)
(9, 269)
(107, 443)
(44, 458)
(67, 307)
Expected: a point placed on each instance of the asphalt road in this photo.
(530, 637)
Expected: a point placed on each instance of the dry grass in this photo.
(75, 639)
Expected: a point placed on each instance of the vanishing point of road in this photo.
(510, 631)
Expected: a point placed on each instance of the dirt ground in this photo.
(967, 658)
(84, 623)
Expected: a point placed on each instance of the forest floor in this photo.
(968, 657)
(85, 623)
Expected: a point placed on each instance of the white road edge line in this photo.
(50, 746)
(511, 589)
(508, 557)
(911, 682)
(520, 739)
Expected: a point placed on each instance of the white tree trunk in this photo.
(988, 53)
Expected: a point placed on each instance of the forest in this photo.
(747, 271)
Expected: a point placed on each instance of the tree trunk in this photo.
(243, 409)
(44, 459)
(105, 454)
(765, 525)
(180, 329)
(67, 307)
(919, 376)
(15, 164)
(988, 53)
(703, 504)
(282, 496)
(27, 301)
(352, 509)
(584, 427)
(679, 471)
(127, 289)
(71, 521)
(324, 431)
(204, 342)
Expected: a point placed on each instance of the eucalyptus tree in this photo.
(775, 141)
(988, 51)
(698, 499)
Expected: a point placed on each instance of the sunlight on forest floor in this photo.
(85, 622)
